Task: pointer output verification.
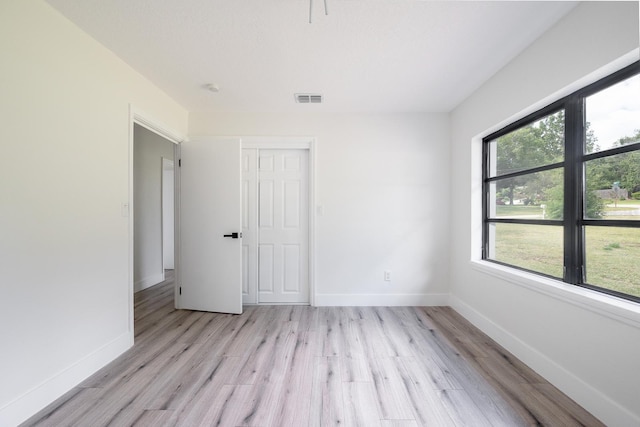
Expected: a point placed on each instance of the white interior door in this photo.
(249, 226)
(283, 226)
(210, 207)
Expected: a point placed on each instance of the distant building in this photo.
(611, 194)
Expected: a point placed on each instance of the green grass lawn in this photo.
(534, 247)
(618, 208)
(613, 258)
(535, 212)
(629, 202)
(508, 211)
(613, 254)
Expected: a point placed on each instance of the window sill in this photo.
(606, 305)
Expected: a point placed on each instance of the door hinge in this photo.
(180, 290)
(179, 163)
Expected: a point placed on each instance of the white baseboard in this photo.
(594, 401)
(28, 404)
(376, 300)
(148, 282)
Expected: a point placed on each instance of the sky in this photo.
(615, 112)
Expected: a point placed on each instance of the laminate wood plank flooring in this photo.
(310, 366)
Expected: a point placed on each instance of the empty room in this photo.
(385, 213)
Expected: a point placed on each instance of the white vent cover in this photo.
(308, 98)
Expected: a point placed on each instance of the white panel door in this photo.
(283, 226)
(249, 226)
(211, 207)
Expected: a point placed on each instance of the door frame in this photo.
(303, 143)
(139, 117)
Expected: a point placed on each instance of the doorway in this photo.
(147, 266)
(275, 226)
(150, 155)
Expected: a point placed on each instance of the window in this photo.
(562, 189)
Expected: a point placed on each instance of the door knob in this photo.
(233, 235)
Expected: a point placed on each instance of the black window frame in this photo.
(573, 221)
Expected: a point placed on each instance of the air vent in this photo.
(308, 98)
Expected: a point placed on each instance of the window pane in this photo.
(538, 144)
(533, 247)
(613, 258)
(613, 187)
(613, 116)
(534, 196)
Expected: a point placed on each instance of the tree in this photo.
(555, 202)
(630, 164)
(542, 143)
(622, 168)
(594, 206)
(537, 144)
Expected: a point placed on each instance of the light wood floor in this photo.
(307, 366)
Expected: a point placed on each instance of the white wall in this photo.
(586, 344)
(64, 175)
(149, 149)
(382, 180)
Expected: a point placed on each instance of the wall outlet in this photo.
(387, 275)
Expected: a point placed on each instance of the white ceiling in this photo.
(365, 56)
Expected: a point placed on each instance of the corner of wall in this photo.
(36, 399)
(599, 404)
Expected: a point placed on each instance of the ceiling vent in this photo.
(308, 98)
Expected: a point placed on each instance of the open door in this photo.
(210, 225)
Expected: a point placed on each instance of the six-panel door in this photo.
(276, 226)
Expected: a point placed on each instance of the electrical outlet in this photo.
(387, 275)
